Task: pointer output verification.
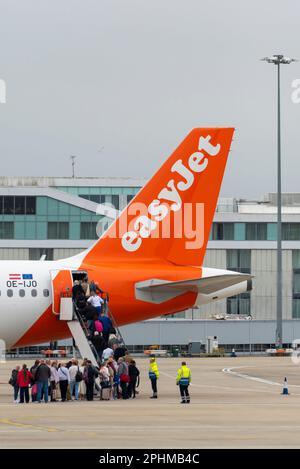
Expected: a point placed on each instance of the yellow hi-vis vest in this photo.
(184, 376)
(153, 370)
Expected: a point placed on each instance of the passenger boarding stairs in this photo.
(69, 313)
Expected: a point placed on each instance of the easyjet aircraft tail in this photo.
(149, 260)
(170, 218)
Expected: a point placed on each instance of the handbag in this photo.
(124, 378)
(105, 384)
(152, 375)
(34, 389)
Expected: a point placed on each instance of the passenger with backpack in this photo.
(14, 382)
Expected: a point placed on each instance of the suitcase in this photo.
(105, 394)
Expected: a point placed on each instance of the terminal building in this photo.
(57, 217)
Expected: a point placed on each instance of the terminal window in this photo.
(291, 231)
(6, 230)
(58, 230)
(98, 199)
(17, 205)
(256, 231)
(102, 199)
(88, 230)
(239, 260)
(223, 231)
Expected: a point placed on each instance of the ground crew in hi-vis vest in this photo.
(183, 380)
(153, 376)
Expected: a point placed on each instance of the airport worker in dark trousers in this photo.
(183, 380)
(153, 376)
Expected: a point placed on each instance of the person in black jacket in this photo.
(99, 343)
(14, 382)
(77, 290)
(33, 372)
(134, 379)
(90, 374)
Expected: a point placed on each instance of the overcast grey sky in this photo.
(135, 76)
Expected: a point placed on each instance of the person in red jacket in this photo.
(24, 380)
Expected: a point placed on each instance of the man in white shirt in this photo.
(73, 370)
(107, 353)
(96, 301)
(64, 379)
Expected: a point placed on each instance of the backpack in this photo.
(79, 376)
(13, 379)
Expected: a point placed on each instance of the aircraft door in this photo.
(61, 282)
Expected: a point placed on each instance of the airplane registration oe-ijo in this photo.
(148, 260)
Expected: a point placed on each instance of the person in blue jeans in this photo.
(42, 377)
(74, 385)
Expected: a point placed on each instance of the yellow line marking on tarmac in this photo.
(5, 421)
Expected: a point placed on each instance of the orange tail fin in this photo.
(170, 218)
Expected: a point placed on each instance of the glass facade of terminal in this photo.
(54, 219)
(41, 217)
(239, 260)
(254, 232)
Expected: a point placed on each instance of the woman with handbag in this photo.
(105, 382)
(54, 380)
(124, 377)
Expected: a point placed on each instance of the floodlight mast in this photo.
(279, 59)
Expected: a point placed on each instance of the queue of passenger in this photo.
(117, 377)
(50, 380)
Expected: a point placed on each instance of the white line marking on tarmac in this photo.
(254, 378)
(213, 386)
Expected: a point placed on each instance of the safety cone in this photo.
(285, 391)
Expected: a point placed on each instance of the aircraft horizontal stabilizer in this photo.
(158, 291)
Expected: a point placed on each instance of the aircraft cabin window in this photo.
(34, 292)
(10, 293)
(22, 293)
(46, 292)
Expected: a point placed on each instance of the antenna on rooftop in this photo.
(73, 164)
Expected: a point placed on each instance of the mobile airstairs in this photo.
(70, 314)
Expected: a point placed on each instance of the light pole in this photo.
(278, 59)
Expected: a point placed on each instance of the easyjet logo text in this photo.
(169, 197)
